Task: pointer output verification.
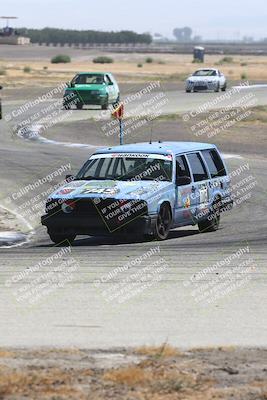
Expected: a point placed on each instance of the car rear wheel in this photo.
(163, 224)
(188, 90)
(212, 222)
(64, 239)
(79, 106)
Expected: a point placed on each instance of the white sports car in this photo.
(206, 79)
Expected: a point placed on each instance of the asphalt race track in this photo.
(78, 313)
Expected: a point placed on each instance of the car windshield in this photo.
(205, 72)
(89, 79)
(127, 168)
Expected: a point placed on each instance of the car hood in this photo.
(140, 190)
(202, 78)
(88, 87)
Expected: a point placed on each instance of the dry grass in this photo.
(165, 67)
(132, 375)
(158, 351)
(42, 383)
(156, 379)
(6, 354)
(57, 352)
(194, 375)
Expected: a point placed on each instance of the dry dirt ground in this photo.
(141, 374)
(126, 67)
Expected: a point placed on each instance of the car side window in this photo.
(197, 166)
(214, 163)
(182, 168)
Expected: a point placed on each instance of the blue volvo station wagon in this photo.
(146, 188)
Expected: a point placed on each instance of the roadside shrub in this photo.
(244, 76)
(61, 59)
(243, 64)
(139, 65)
(196, 61)
(103, 60)
(226, 60)
(27, 70)
(149, 60)
(2, 71)
(161, 62)
(45, 68)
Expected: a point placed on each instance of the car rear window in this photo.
(214, 163)
(197, 166)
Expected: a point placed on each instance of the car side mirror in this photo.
(183, 180)
(72, 84)
(111, 83)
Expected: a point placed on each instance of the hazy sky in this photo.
(210, 18)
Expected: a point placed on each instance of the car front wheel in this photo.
(66, 105)
(105, 105)
(163, 223)
(64, 239)
(224, 87)
(217, 88)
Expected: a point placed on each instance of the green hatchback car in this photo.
(91, 88)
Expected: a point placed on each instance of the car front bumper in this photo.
(201, 86)
(87, 99)
(94, 226)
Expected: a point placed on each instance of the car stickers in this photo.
(66, 190)
(131, 155)
(203, 192)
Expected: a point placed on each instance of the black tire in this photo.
(212, 222)
(217, 88)
(163, 224)
(59, 238)
(188, 90)
(79, 106)
(224, 88)
(104, 106)
(66, 106)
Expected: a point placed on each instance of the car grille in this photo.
(111, 212)
(87, 94)
(200, 87)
